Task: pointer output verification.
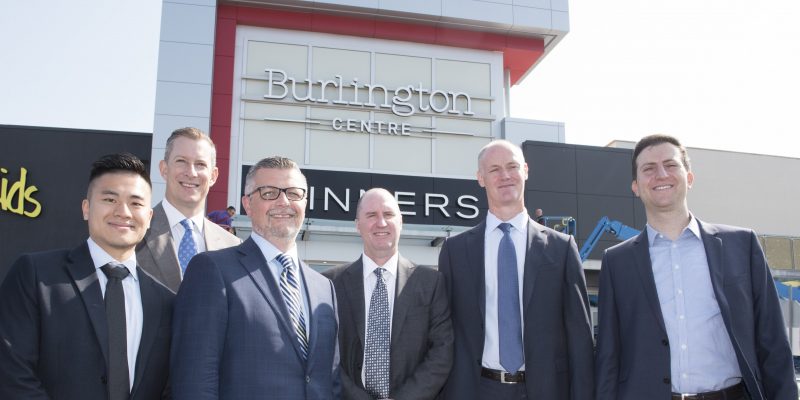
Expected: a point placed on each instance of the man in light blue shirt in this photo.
(687, 309)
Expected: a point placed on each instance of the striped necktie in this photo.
(290, 289)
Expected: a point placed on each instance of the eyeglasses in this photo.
(272, 193)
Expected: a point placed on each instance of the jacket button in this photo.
(667, 381)
(665, 342)
(103, 379)
(308, 379)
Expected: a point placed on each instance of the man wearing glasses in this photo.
(253, 320)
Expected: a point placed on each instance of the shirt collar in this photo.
(693, 227)
(100, 258)
(174, 217)
(370, 266)
(519, 221)
(270, 251)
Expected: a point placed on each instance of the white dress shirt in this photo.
(493, 234)
(276, 268)
(390, 279)
(133, 300)
(174, 218)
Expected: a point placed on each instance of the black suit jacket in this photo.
(54, 334)
(633, 356)
(557, 334)
(422, 336)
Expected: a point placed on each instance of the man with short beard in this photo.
(253, 321)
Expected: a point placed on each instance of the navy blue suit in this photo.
(233, 338)
(633, 354)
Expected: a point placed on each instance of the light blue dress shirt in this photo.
(702, 358)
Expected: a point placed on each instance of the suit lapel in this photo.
(315, 300)
(475, 251)
(253, 261)
(714, 256)
(81, 269)
(159, 242)
(151, 310)
(644, 268)
(714, 253)
(403, 297)
(354, 290)
(211, 236)
(536, 255)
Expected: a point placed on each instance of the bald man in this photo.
(395, 336)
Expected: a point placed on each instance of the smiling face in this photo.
(502, 171)
(118, 210)
(379, 223)
(662, 181)
(278, 221)
(189, 173)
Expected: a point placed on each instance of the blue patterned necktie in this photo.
(290, 289)
(376, 367)
(187, 249)
(508, 315)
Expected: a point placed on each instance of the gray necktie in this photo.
(376, 367)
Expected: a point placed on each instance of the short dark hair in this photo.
(191, 134)
(654, 140)
(120, 162)
(231, 208)
(274, 162)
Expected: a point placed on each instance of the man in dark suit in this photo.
(687, 309)
(189, 170)
(406, 351)
(252, 321)
(517, 297)
(58, 340)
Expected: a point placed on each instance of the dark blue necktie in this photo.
(509, 322)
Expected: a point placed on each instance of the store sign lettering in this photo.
(432, 202)
(401, 101)
(17, 197)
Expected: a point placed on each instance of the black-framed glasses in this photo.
(272, 193)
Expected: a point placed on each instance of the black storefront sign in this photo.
(334, 195)
(44, 174)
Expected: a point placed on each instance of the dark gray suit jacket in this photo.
(233, 339)
(156, 252)
(54, 334)
(557, 334)
(633, 357)
(422, 335)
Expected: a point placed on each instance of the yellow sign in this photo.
(17, 197)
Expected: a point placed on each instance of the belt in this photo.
(736, 392)
(503, 377)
